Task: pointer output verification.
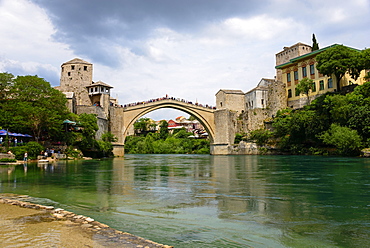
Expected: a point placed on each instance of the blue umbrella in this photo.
(5, 132)
(15, 134)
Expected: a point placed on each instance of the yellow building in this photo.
(299, 61)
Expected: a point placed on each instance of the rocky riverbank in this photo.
(34, 225)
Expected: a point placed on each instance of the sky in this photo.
(188, 49)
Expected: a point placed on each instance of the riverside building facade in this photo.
(299, 61)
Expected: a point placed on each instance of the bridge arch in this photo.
(125, 118)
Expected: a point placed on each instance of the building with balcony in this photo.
(292, 66)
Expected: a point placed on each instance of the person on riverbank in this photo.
(25, 157)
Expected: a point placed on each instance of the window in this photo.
(295, 75)
(312, 69)
(322, 87)
(69, 74)
(288, 79)
(72, 67)
(85, 68)
(262, 102)
(296, 92)
(330, 83)
(289, 93)
(304, 71)
(313, 89)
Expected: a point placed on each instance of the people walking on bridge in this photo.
(167, 98)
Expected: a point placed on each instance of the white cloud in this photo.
(27, 36)
(258, 28)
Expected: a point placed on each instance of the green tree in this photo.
(143, 125)
(163, 130)
(367, 77)
(238, 138)
(315, 45)
(365, 57)
(305, 86)
(346, 140)
(181, 133)
(34, 106)
(6, 80)
(109, 137)
(260, 136)
(338, 60)
(88, 127)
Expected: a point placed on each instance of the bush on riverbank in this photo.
(177, 143)
(32, 148)
(332, 124)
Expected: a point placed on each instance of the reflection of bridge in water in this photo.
(122, 118)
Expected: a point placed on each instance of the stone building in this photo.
(83, 94)
(230, 99)
(289, 53)
(76, 74)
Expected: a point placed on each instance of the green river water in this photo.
(211, 201)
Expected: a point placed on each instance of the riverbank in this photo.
(29, 224)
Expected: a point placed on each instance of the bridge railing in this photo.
(164, 99)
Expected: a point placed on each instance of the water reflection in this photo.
(212, 201)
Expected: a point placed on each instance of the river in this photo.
(211, 201)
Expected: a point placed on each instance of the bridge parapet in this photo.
(156, 101)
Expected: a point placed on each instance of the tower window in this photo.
(69, 74)
(85, 68)
(72, 67)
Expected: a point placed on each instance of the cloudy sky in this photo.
(184, 48)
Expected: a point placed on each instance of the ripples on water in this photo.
(213, 201)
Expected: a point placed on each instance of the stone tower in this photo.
(289, 53)
(76, 75)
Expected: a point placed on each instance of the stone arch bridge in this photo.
(122, 118)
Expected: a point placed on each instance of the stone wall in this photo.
(247, 148)
(226, 127)
(253, 119)
(103, 121)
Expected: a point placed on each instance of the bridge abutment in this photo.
(118, 149)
